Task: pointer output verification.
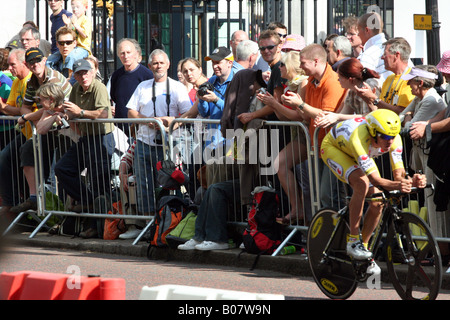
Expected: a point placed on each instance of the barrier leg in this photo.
(143, 232)
(281, 246)
(17, 219)
(41, 224)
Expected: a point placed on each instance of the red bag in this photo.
(114, 226)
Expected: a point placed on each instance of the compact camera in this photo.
(202, 89)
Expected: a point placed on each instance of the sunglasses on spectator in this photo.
(282, 35)
(385, 136)
(268, 48)
(67, 42)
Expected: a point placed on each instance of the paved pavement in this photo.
(293, 264)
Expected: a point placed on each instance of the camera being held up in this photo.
(202, 89)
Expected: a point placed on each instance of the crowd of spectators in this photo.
(277, 78)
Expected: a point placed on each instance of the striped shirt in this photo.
(51, 76)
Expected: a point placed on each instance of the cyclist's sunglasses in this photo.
(385, 136)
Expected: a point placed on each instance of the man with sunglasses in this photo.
(68, 53)
(348, 150)
(270, 46)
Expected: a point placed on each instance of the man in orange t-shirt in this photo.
(322, 93)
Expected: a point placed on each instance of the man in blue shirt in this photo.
(211, 104)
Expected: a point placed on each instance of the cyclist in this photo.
(348, 150)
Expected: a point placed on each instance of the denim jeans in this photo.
(212, 217)
(146, 158)
(91, 152)
(11, 175)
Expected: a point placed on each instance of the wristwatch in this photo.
(376, 102)
(82, 113)
(301, 105)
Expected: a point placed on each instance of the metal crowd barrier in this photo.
(193, 143)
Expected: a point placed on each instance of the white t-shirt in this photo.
(141, 101)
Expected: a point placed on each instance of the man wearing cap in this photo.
(35, 61)
(444, 67)
(211, 104)
(89, 99)
(426, 105)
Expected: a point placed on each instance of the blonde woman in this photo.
(291, 155)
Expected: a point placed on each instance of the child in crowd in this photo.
(80, 24)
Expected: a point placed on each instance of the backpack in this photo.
(262, 234)
(184, 231)
(172, 210)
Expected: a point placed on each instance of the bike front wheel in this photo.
(331, 267)
(413, 258)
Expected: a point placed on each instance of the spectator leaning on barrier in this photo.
(270, 48)
(88, 100)
(322, 93)
(9, 154)
(425, 106)
(41, 75)
(162, 98)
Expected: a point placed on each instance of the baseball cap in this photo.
(220, 53)
(32, 54)
(81, 65)
(444, 65)
(416, 72)
(294, 42)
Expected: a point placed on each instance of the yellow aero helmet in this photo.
(383, 121)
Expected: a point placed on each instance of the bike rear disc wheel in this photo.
(334, 274)
(413, 258)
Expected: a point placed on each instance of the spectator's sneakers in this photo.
(209, 245)
(373, 268)
(188, 245)
(29, 204)
(357, 251)
(132, 233)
